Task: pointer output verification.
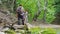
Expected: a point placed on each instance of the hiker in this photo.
(20, 14)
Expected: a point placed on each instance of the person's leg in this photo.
(18, 20)
(23, 20)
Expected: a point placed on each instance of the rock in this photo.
(18, 33)
(5, 29)
(2, 33)
(18, 26)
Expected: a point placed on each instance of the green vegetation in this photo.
(49, 31)
(10, 32)
(32, 7)
(48, 10)
(50, 13)
(36, 30)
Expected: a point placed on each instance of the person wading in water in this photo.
(20, 14)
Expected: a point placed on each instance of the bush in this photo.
(48, 31)
(34, 30)
(10, 32)
(38, 30)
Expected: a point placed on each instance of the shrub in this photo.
(35, 30)
(48, 31)
(38, 30)
(10, 32)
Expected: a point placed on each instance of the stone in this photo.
(18, 26)
(5, 29)
(2, 33)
